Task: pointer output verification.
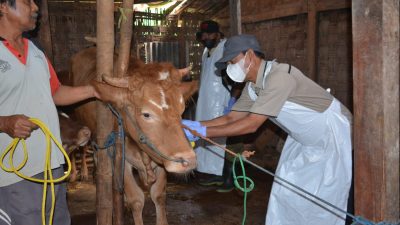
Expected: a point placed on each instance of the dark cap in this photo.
(209, 26)
(237, 44)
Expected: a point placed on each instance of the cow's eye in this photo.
(146, 115)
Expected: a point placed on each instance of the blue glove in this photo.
(196, 126)
(231, 102)
(191, 123)
(190, 136)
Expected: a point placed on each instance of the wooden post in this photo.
(44, 34)
(312, 39)
(375, 25)
(125, 39)
(105, 53)
(235, 17)
(121, 68)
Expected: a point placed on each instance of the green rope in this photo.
(245, 189)
(122, 15)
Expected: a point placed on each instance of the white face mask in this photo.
(236, 71)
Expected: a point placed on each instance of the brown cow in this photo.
(151, 100)
(73, 136)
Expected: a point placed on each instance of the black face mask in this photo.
(210, 43)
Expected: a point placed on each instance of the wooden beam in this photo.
(105, 53)
(312, 40)
(215, 11)
(279, 9)
(182, 7)
(121, 69)
(235, 17)
(376, 108)
(44, 34)
(203, 6)
(333, 5)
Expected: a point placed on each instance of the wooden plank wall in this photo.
(282, 39)
(70, 22)
(334, 55)
(314, 36)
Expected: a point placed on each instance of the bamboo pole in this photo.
(105, 53)
(121, 68)
(125, 39)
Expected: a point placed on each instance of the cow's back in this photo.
(83, 66)
(83, 70)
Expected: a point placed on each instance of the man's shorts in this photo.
(21, 203)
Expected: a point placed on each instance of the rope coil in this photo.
(245, 189)
(47, 173)
(122, 15)
(111, 141)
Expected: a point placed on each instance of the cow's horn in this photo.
(185, 71)
(116, 82)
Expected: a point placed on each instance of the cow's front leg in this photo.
(151, 176)
(74, 173)
(84, 168)
(134, 195)
(134, 157)
(158, 195)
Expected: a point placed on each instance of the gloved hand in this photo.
(196, 126)
(231, 102)
(191, 123)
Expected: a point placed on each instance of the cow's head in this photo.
(151, 100)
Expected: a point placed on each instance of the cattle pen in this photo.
(350, 47)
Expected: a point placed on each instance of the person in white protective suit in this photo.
(317, 153)
(212, 101)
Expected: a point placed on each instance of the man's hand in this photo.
(195, 126)
(67, 95)
(191, 123)
(17, 126)
(248, 154)
(93, 91)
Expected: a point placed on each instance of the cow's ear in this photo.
(114, 95)
(117, 81)
(188, 88)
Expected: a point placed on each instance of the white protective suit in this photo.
(213, 97)
(317, 157)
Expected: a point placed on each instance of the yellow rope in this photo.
(47, 167)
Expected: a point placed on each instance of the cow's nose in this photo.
(185, 163)
(188, 159)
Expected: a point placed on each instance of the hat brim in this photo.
(227, 58)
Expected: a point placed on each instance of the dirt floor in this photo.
(187, 203)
